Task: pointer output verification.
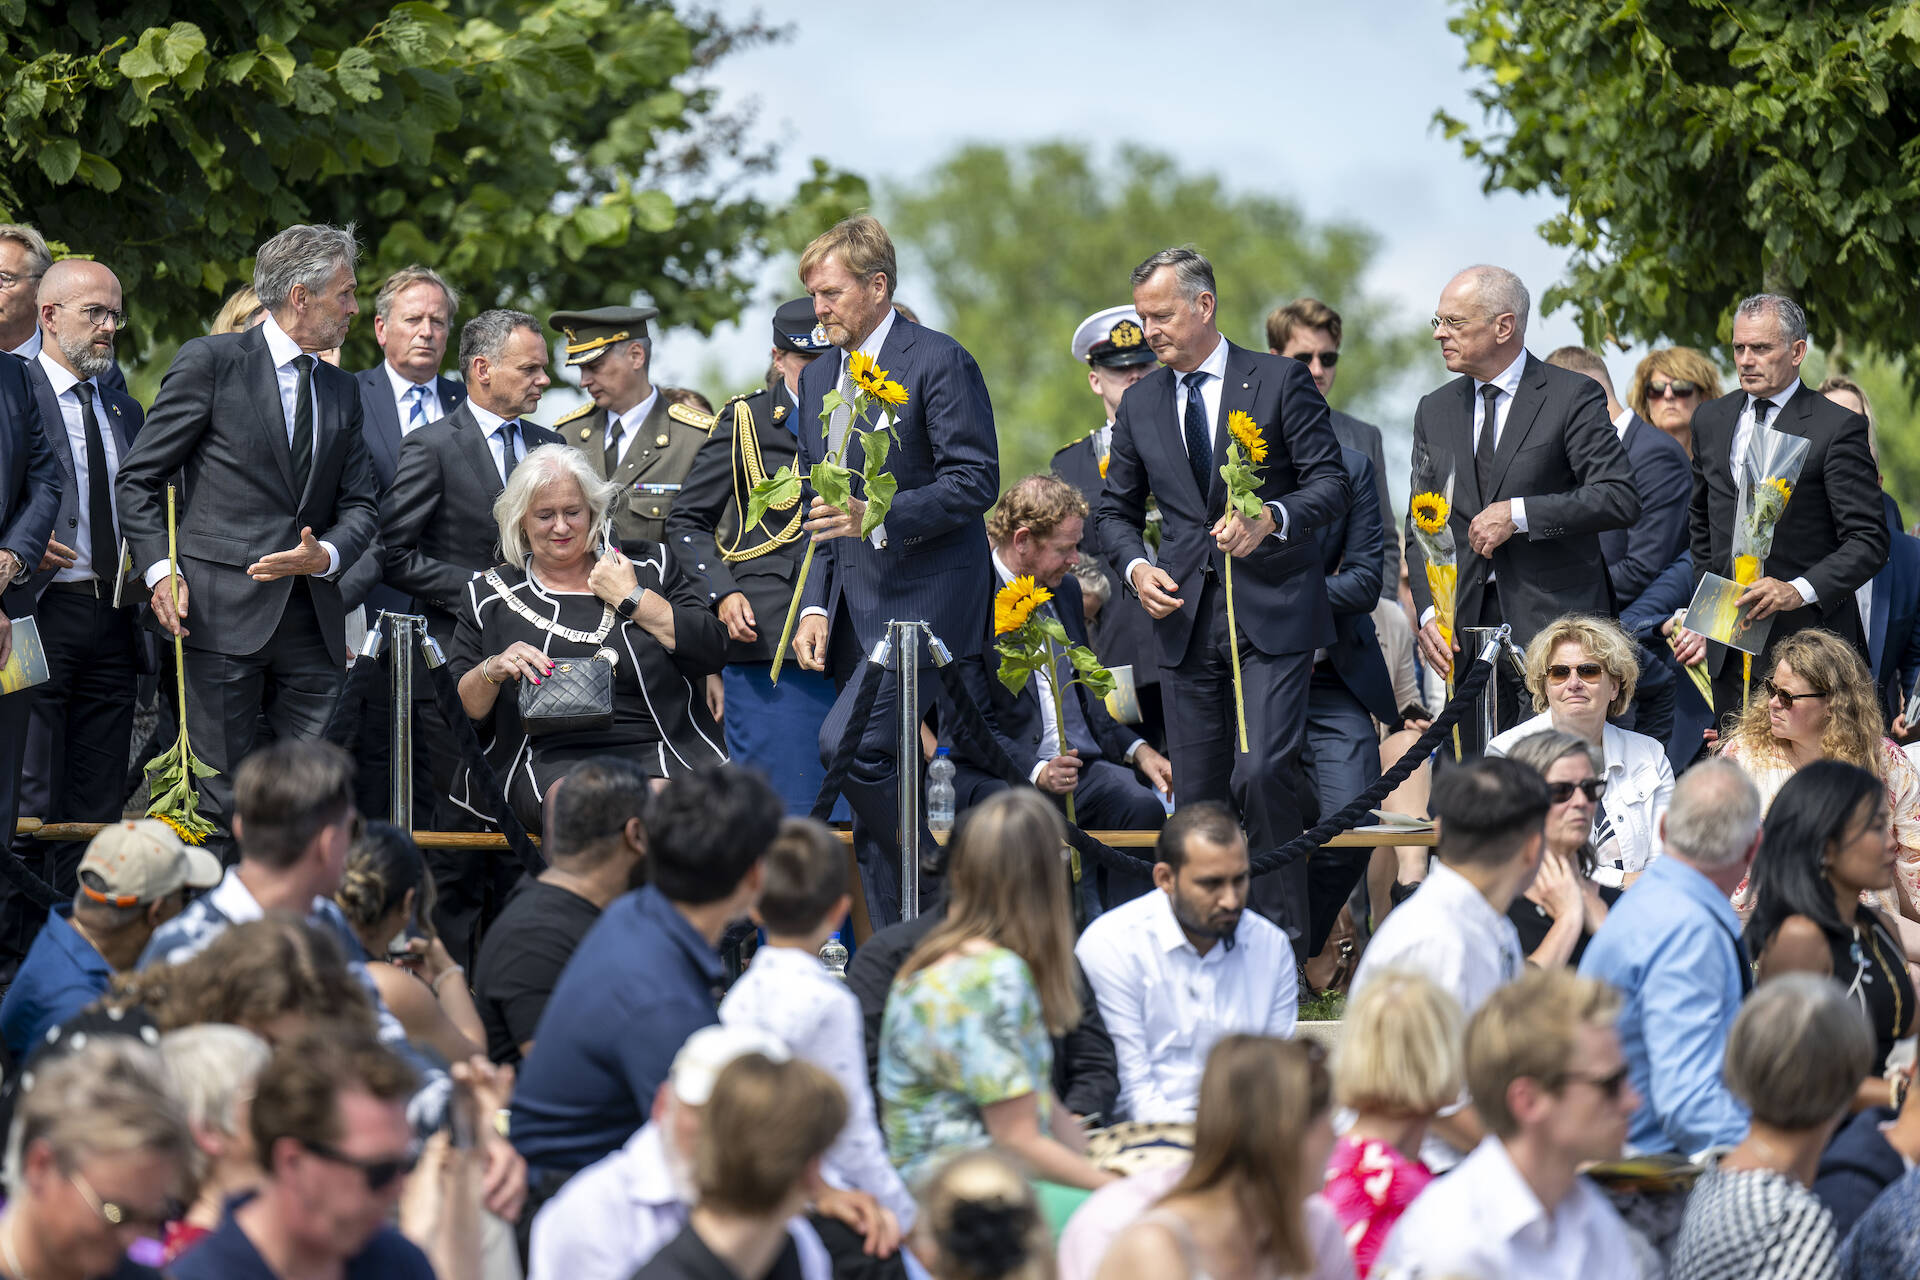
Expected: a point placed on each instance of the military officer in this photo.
(1112, 343)
(630, 433)
(748, 574)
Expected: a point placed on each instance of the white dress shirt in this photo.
(1743, 440)
(30, 348)
(403, 397)
(870, 346)
(1621, 422)
(1639, 787)
(282, 350)
(1483, 1220)
(789, 994)
(1166, 1005)
(80, 539)
(490, 423)
(1508, 380)
(630, 423)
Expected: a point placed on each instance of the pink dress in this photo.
(1370, 1184)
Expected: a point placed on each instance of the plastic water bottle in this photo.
(940, 793)
(834, 956)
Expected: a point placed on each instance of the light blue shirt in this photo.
(1670, 945)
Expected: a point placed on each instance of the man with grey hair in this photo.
(276, 498)
(438, 533)
(24, 259)
(1530, 452)
(1170, 438)
(1671, 944)
(1832, 537)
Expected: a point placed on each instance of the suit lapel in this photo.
(1175, 435)
(56, 424)
(378, 403)
(1239, 386)
(1457, 443)
(474, 447)
(1530, 398)
(263, 388)
(452, 394)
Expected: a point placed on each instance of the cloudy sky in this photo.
(1325, 104)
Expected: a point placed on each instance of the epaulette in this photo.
(581, 412)
(692, 417)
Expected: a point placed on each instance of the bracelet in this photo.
(444, 975)
(485, 668)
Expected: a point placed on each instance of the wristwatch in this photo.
(626, 607)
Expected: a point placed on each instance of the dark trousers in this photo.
(1109, 797)
(79, 723)
(1652, 710)
(1343, 759)
(1267, 785)
(291, 681)
(873, 787)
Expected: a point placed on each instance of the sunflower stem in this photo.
(793, 613)
(1233, 647)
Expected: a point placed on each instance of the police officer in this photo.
(629, 433)
(1112, 343)
(748, 574)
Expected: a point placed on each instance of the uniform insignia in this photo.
(690, 416)
(660, 441)
(1126, 334)
(585, 432)
(581, 412)
(779, 412)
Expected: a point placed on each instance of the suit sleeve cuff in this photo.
(1805, 589)
(156, 572)
(1519, 513)
(1279, 519)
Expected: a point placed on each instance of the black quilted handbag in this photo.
(577, 694)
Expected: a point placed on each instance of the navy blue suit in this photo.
(1671, 591)
(1893, 631)
(1663, 477)
(1280, 594)
(934, 566)
(380, 425)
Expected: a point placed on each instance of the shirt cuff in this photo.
(156, 572)
(1519, 506)
(333, 560)
(879, 536)
(1034, 777)
(1805, 589)
(1426, 615)
(1133, 750)
(1279, 519)
(1126, 575)
(813, 611)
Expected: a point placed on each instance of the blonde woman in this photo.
(1669, 385)
(965, 1049)
(241, 311)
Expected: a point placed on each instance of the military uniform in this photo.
(651, 467)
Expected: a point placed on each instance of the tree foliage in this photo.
(1018, 245)
(566, 153)
(1707, 150)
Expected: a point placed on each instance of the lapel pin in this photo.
(1245, 385)
(585, 432)
(660, 441)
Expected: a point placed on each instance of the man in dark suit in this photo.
(928, 561)
(1170, 438)
(1891, 605)
(748, 574)
(1635, 556)
(1351, 688)
(81, 719)
(1531, 453)
(267, 441)
(1832, 537)
(1113, 345)
(437, 531)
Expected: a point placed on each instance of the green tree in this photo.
(1705, 151)
(562, 153)
(1018, 245)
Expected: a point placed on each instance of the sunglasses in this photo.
(1774, 691)
(1592, 788)
(1587, 671)
(1609, 1085)
(380, 1174)
(150, 1221)
(1681, 390)
(1327, 359)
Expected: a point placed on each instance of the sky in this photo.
(1328, 105)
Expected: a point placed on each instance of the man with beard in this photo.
(80, 722)
(1174, 971)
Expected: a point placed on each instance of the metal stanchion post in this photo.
(906, 651)
(406, 631)
(1486, 710)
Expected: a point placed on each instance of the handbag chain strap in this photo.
(519, 606)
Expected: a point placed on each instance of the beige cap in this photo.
(708, 1051)
(143, 860)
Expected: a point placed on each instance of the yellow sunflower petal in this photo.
(1430, 512)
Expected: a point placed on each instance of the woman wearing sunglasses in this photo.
(1559, 911)
(1583, 669)
(1669, 385)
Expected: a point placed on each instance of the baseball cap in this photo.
(138, 861)
(708, 1051)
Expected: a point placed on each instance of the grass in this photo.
(1326, 1007)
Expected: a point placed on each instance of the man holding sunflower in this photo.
(1171, 438)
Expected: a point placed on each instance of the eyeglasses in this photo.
(1774, 691)
(117, 1215)
(1327, 359)
(1680, 390)
(1592, 788)
(1454, 324)
(97, 316)
(380, 1174)
(1609, 1085)
(8, 279)
(1588, 671)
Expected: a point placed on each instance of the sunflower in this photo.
(871, 379)
(190, 833)
(1780, 487)
(1430, 512)
(1746, 570)
(1103, 465)
(1247, 433)
(1015, 604)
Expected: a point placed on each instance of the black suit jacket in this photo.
(219, 425)
(1832, 534)
(935, 565)
(1663, 476)
(708, 510)
(1122, 632)
(361, 583)
(1350, 553)
(1280, 590)
(1364, 438)
(30, 482)
(1559, 452)
(436, 520)
(116, 412)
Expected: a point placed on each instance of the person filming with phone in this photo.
(572, 649)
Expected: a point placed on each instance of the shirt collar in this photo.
(1778, 399)
(648, 1177)
(78, 949)
(1693, 882)
(633, 417)
(1501, 1194)
(233, 899)
(875, 340)
(28, 349)
(402, 388)
(1214, 365)
(1463, 891)
(1508, 379)
(1621, 422)
(654, 906)
(1167, 934)
(1000, 568)
(281, 347)
(489, 420)
(61, 377)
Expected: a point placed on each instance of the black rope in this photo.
(17, 872)
(842, 762)
(343, 722)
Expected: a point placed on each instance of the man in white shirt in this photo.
(1544, 1064)
(1492, 821)
(1177, 969)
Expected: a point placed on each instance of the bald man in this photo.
(80, 721)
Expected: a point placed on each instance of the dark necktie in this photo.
(1760, 410)
(509, 456)
(1483, 448)
(100, 527)
(1199, 443)
(611, 459)
(301, 446)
